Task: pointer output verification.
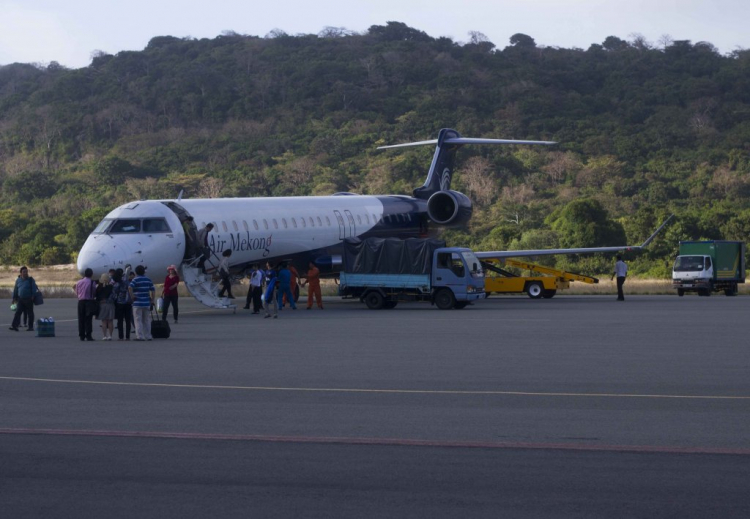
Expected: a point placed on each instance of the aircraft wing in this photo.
(588, 250)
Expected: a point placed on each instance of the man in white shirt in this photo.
(256, 290)
(621, 271)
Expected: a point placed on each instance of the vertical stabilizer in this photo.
(441, 169)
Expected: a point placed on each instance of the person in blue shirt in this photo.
(142, 293)
(23, 298)
(285, 287)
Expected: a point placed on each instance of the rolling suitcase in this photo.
(159, 327)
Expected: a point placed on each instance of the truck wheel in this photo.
(460, 304)
(535, 290)
(680, 292)
(549, 294)
(445, 299)
(390, 304)
(374, 300)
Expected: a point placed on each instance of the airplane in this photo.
(300, 230)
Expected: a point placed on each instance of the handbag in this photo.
(38, 298)
(92, 308)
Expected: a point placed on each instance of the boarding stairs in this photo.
(203, 288)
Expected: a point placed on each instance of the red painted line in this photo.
(396, 442)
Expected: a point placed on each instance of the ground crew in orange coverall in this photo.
(292, 282)
(313, 289)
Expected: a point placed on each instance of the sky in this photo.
(42, 31)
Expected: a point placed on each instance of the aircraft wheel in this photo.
(445, 299)
(374, 300)
(535, 290)
(549, 294)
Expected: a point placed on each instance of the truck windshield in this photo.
(475, 266)
(688, 264)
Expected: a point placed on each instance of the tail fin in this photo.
(441, 170)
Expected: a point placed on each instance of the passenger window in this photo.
(275, 224)
(312, 222)
(359, 219)
(283, 221)
(708, 263)
(328, 221)
(255, 224)
(320, 222)
(304, 224)
(367, 217)
(125, 226)
(244, 224)
(265, 224)
(155, 225)
(224, 226)
(294, 223)
(234, 224)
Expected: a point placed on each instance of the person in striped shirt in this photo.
(142, 293)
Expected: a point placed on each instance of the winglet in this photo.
(650, 238)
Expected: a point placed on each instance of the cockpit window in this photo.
(155, 225)
(125, 226)
(103, 226)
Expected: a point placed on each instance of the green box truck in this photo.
(709, 266)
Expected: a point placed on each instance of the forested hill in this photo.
(644, 131)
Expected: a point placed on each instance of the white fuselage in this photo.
(256, 230)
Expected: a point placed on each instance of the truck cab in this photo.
(693, 273)
(457, 278)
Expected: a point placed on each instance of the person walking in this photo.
(285, 281)
(123, 305)
(205, 250)
(256, 290)
(621, 271)
(292, 283)
(23, 298)
(105, 298)
(142, 292)
(226, 283)
(169, 293)
(86, 294)
(313, 286)
(270, 300)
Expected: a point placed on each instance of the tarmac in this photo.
(577, 406)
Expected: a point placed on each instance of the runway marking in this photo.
(395, 442)
(380, 391)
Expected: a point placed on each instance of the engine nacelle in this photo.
(449, 208)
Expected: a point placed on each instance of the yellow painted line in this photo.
(381, 391)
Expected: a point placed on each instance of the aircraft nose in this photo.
(94, 260)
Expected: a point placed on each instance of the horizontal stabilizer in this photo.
(466, 140)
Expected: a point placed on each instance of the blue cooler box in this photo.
(45, 329)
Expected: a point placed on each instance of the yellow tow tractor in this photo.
(500, 281)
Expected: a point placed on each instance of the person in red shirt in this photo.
(169, 294)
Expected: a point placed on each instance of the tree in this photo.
(522, 41)
(585, 223)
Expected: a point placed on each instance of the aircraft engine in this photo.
(449, 208)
